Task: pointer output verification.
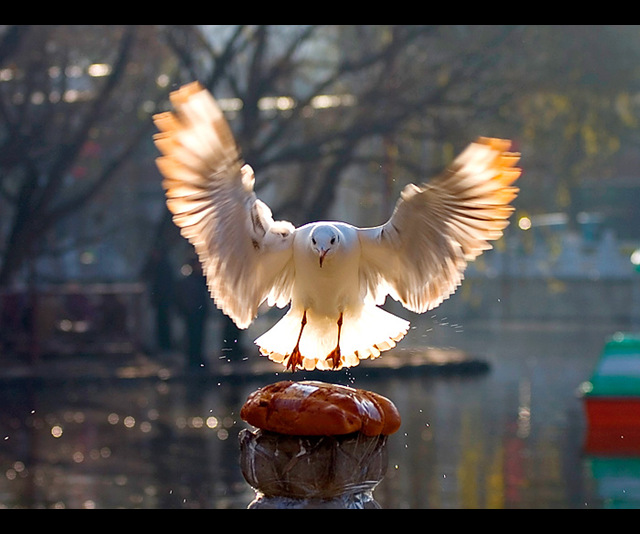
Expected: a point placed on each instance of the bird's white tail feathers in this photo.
(362, 336)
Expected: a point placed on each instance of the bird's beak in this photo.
(323, 253)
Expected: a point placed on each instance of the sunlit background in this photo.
(100, 407)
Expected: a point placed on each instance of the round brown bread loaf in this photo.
(391, 419)
(313, 408)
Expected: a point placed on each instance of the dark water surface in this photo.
(511, 437)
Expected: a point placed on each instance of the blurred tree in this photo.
(312, 101)
(577, 114)
(71, 101)
(310, 105)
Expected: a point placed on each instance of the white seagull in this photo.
(333, 274)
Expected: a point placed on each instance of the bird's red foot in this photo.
(295, 359)
(335, 356)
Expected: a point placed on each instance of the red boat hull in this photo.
(613, 425)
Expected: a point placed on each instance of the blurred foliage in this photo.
(76, 158)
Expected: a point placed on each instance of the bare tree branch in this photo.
(41, 144)
(69, 151)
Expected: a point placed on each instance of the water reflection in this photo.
(132, 443)
(509, 438)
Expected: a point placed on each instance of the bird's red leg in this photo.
(335, 355)
(295, 358)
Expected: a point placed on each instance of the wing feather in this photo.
(419, 255)
(245, 254)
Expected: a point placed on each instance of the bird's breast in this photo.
(327, 289)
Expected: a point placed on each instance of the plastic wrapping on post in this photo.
(312, 472)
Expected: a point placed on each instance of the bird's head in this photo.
(325, 240)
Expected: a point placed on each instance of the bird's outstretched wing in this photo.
(246, 255)
(420, 254)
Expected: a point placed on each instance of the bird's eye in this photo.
(333, 240)
(313, 240)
